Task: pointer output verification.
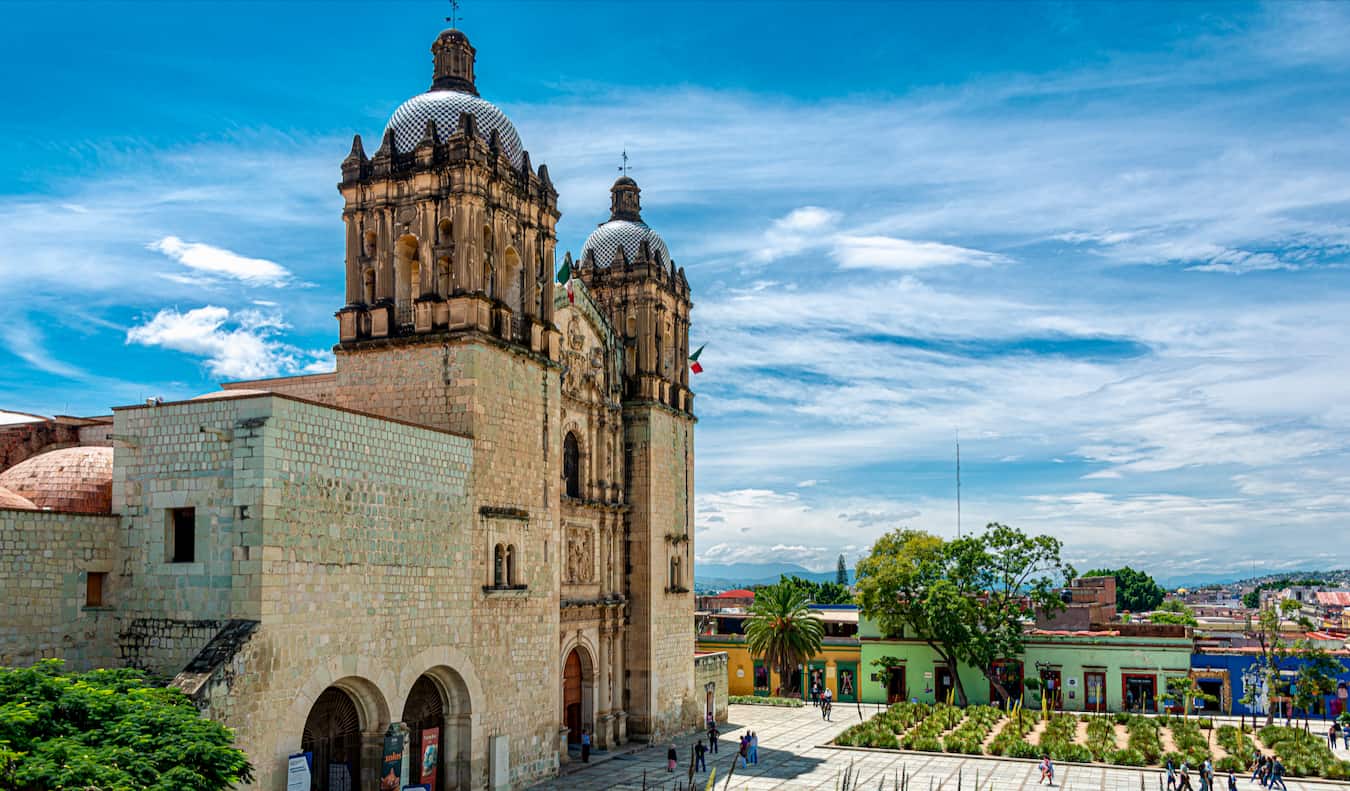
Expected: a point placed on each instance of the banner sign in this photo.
(391, 774)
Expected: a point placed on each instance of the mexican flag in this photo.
(693, 361)
(565, 277)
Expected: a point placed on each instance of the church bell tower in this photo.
(629, 272)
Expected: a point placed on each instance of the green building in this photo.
(1107, 668)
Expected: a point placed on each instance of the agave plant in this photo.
(782, 631)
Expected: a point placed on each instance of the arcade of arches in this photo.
(347, 739)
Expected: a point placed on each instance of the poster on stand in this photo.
(430, 757)
(297, 772)
(391, 773)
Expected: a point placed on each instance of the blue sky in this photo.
(1107, 243)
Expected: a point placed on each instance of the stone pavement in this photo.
(792, 756)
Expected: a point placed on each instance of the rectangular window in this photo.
(93, 588)
(181, 535)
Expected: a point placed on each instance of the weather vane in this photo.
(624, 166)
(453, 19)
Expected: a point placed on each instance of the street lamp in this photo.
(1251, 677)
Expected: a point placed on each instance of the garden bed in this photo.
(756, 700)
(1112, 739)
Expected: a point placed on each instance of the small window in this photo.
(572, 465)
(93, 588)
(181, 535)
(511, 578)
(499, 567)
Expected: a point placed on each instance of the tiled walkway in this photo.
(792, 756)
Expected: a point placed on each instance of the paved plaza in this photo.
(792, 755)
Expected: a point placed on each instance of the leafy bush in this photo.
(754, 700)
(1233, 742)
(108, 729)
(1101, 738)
(1144, 738)
(968, 737)
(1303, 754)
(925, 735)
(1204, 723)
(1127, 757)
(1230, 763)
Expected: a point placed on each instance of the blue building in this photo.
(1224, 673)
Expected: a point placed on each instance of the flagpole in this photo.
(958, 483)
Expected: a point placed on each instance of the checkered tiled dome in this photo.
(604, 240)
(409, 121)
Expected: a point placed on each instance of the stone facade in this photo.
(45, 560)
(476, 530)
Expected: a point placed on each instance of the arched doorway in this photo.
(333, 735)
(572, 697)
(437, 715)
(424, 714)
(578, 698)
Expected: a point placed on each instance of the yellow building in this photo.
(837, 664)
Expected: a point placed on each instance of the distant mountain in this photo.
(725, 576)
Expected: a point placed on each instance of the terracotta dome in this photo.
(70, 479)
(9, 499)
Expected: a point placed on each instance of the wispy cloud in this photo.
(219, 262)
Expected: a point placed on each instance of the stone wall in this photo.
(659, 445)
(314, 387)
(710, 680)
(19, 441)
(44, 559)
(365, 558)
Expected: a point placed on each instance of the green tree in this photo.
(108, 729)
(815, 592)
(1135, 590)
(966, 598)
(781, 631)
(1271, 650)
(1174, 611)
(841, 572)
(1316, 677)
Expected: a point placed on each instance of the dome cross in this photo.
(453, 19)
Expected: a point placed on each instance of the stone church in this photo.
(474, 536)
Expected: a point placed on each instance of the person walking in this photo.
(1206, 776)
(1171, 776)
(1277, 774)
(1345, 735)
(712, 738)
(671, 757)
(1333, 733)
(1258, 767)
(1232, 781)
(1184, 779)
(699, 750)
(754, 747)
(585, 745)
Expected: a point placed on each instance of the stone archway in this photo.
(578, 693)
(439, 724)
(343, 732)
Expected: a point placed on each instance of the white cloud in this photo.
(236, 346)
(884, 252)
(217, 261)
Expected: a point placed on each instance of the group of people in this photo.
(1268, 771)
(1337, 730)
(823, 699)
(748, 751)
(1179, 778)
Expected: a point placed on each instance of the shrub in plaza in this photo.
(1233, 741)
(1057, 740)
(1189, 741)
(968, 737)
(1101, 733)
(925, 735)
(108, 729)
(753, 700)
(1144, 738)
(1303, 754)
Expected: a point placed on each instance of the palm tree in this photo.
(781, 631)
